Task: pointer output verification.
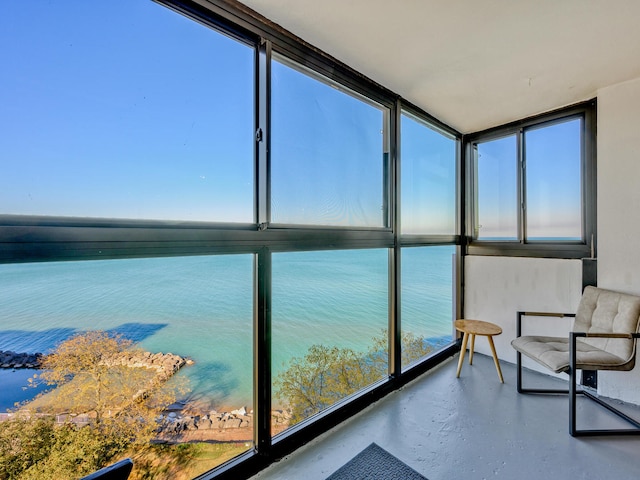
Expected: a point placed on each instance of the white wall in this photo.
(497, 287)
(619, 210)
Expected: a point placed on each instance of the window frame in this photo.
(557, 248)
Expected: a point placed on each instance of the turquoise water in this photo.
(201, 307)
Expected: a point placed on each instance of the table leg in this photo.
(473, 344)
(495, 358)
(465, 338)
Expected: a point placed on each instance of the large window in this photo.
(329, 328)
(428, 295)
(553, 181)
(328, 157)
(124, 112)
(532, 185)
(199, 308)
(428, 178)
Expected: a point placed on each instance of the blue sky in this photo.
(107, 113)
(428, 175)
(326, 153)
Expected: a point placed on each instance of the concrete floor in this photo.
(473, 428)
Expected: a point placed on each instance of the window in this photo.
(428, 179)
(328, 159)
(533, 186)
(497, 189)
(329, 328)
(200, 308)
(427, 300)
(553, 181)
(113, 113)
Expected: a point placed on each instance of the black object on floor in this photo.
(375, 463)
(118, 471)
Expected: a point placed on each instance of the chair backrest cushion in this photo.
(605, 311)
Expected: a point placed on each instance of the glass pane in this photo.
(497, 190)
(329, 336)
(428, 179)
(427, 300)
(327, 160)
(200, 308)
(553, 182)
(123, 110)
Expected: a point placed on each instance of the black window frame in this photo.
(573, 249)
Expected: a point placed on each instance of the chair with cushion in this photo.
(603, 337)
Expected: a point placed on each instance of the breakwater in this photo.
(165, 364)
(177, 422)
(9, 359)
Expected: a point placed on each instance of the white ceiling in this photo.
(474, 64)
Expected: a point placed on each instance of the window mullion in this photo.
(522, 172)
(263, 133)
(262, 351)
(393, 193)
(262, 284)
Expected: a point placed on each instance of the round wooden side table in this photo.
(471, 328)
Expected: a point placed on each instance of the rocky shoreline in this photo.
(177, 422)
(9, 359)
(181, 420)
(166, 364)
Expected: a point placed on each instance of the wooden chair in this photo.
(603, 337)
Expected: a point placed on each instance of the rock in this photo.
(177, 406)
(232, 423)
(240, 411)
(216, 423)
(10, 359)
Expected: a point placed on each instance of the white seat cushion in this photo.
(553, 353)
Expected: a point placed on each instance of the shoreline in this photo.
(182, 423)
(215, 426)
(185, 421)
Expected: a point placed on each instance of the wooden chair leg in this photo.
(473, 344)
